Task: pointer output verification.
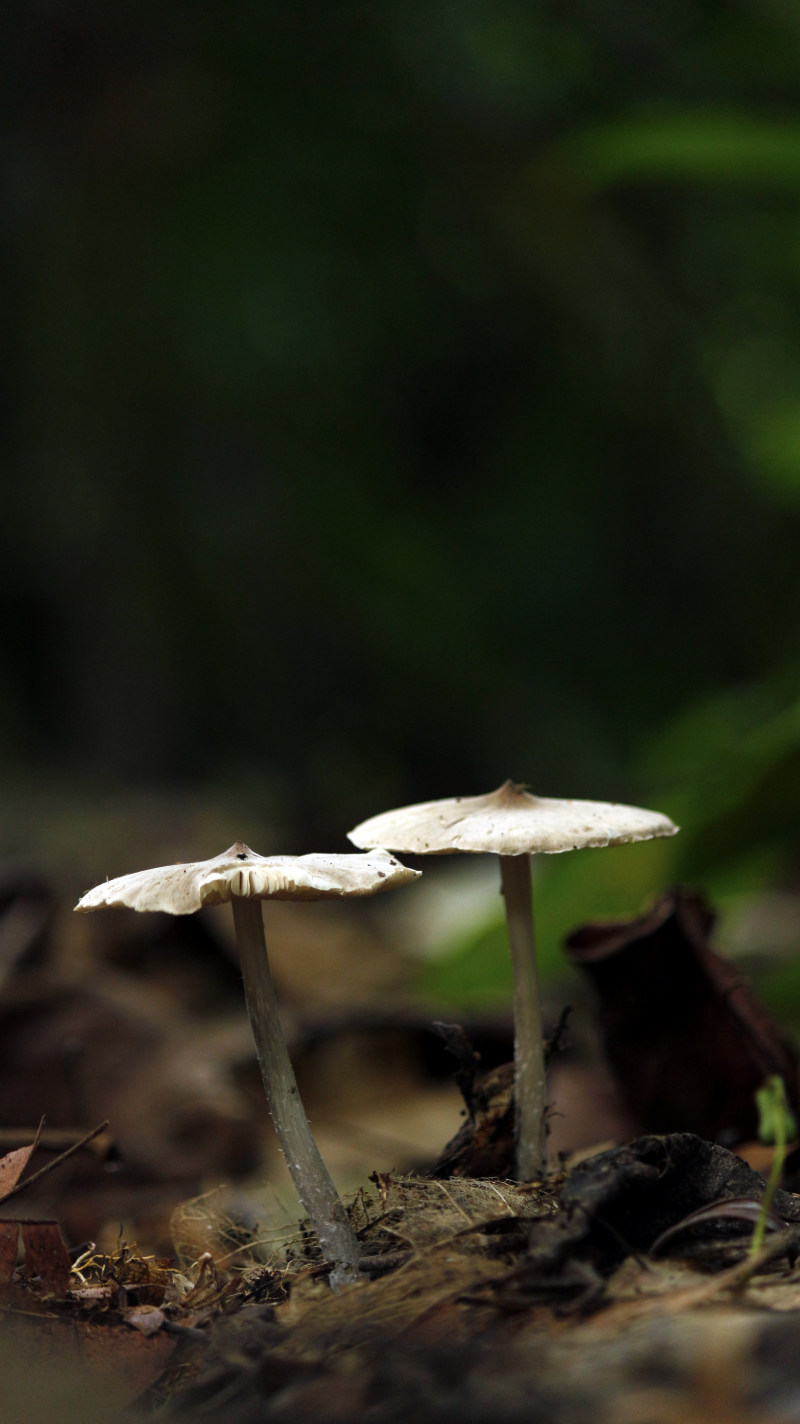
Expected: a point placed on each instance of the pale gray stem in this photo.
(312, 1180)
(529, 1074)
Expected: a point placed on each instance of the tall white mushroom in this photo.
(245, 878)
(513, 824)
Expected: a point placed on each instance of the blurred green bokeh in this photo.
(399, 398)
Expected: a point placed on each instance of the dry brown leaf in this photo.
(685, 1036)
(9, 1241)
(102, 1363)
(125, 1362)
(46, 1255)
(147, 1319)
(12, 1166)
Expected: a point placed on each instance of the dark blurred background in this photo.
(396, 398)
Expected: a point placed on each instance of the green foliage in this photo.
(476, 970)
(568, 890)
(776, 1123)
(779, 989)
(729, 768)
(716, 147)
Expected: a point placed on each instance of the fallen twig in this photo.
(56, 1162)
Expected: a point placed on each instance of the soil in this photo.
(480, 1300)
(620, 1291)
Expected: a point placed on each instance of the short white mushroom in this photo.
(513, 824)
(245, 878)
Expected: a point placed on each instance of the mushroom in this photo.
(245, 878)
(513, 824)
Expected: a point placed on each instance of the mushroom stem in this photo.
(529, 1074)
(311, 1178)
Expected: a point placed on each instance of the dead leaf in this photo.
(12, 1166)
(46, 1255)
(148, 1319)
(684, 1034)
(744, 1209)
(64, 1369)
(125, 1362)
(178, 1113)
(9, 1245)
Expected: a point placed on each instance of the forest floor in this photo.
(479, 1300)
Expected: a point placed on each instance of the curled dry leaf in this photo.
(685, 1036)
(743, 1209)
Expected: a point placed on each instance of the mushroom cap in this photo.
(240, 871)
(509, 821)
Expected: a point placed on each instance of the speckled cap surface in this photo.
(509, 821)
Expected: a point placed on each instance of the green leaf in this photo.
(686, 145)
(775, 1120)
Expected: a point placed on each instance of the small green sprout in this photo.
(776, 1125)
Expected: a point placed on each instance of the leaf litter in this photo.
(503, 1302)
(479, 1299)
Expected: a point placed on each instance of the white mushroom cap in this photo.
(240, 871)
(509, 821)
